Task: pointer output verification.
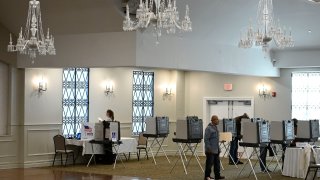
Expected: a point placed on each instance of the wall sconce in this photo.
(167, 92)
(109, 88)
(264, 92)
(42, 84)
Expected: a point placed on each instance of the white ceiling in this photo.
(220, 19)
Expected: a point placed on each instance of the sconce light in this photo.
(109, 88)
(264, 92)
(42, 85)
(168, 92)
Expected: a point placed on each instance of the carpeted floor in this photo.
(147, 169)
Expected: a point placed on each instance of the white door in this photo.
(240, 107)
(219, 108)
(227, 108)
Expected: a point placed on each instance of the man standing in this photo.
(212, 150)
(234, 143)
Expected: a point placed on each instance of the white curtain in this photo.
(306, 95)
(4, 93)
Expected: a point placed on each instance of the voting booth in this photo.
(282, 131)
(228, 125)
(257, 132)
(157, 125)
(111, 130)
(191, 128)
(307, 130)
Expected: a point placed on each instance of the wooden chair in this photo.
(142, 144)
(60, 148)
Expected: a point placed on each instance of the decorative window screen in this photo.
(306, 95)
(4, 97)
(142, 99)
(75, 101)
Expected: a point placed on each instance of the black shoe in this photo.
(239, 162)
(220, 177)
(266, 170)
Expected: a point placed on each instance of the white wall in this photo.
(200, 85)
(121, 100)
(202, 54)
(36, 118)
(296, 58)
(88, 50)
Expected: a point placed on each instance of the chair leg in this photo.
(315, 173)
(138, 154)
(74, 161)
(307, 173)
(54, 159)
(147, 153)
(129, 156)
(61, 159)
(66, 160)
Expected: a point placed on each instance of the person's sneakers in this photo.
(220, 177)
(208, 178)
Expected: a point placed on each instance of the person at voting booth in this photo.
(212, 149)
(110, 115)
(234, 143)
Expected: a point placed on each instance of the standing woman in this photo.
(110, 115)
(212, 149)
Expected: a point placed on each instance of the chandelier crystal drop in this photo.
(163, 13)
(267, 30)
(32, 39)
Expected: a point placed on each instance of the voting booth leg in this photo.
(193, 153)
(181, 153)
(248, 161)
(154, 142)
(184, 154)
(160, 147)
(276, 157)
(150, 149)
(227, 148)
(116, 150)
(92, 156)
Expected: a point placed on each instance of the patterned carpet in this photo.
(162, 171)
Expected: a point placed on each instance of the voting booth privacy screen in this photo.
(111, 130)
(282, 131)
(307, 130)
(228, 125)
(190, 129)
(257, 132)
(157, 125)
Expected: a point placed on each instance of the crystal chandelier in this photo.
(32, 40)
(266, 31)
(162, 12)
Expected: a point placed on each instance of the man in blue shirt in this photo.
(212, 149)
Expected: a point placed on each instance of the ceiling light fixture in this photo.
(33, 39)
(266, 31)
(163, 13)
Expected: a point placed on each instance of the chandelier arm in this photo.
(40, 30)
(177, 25)
(26, 30)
